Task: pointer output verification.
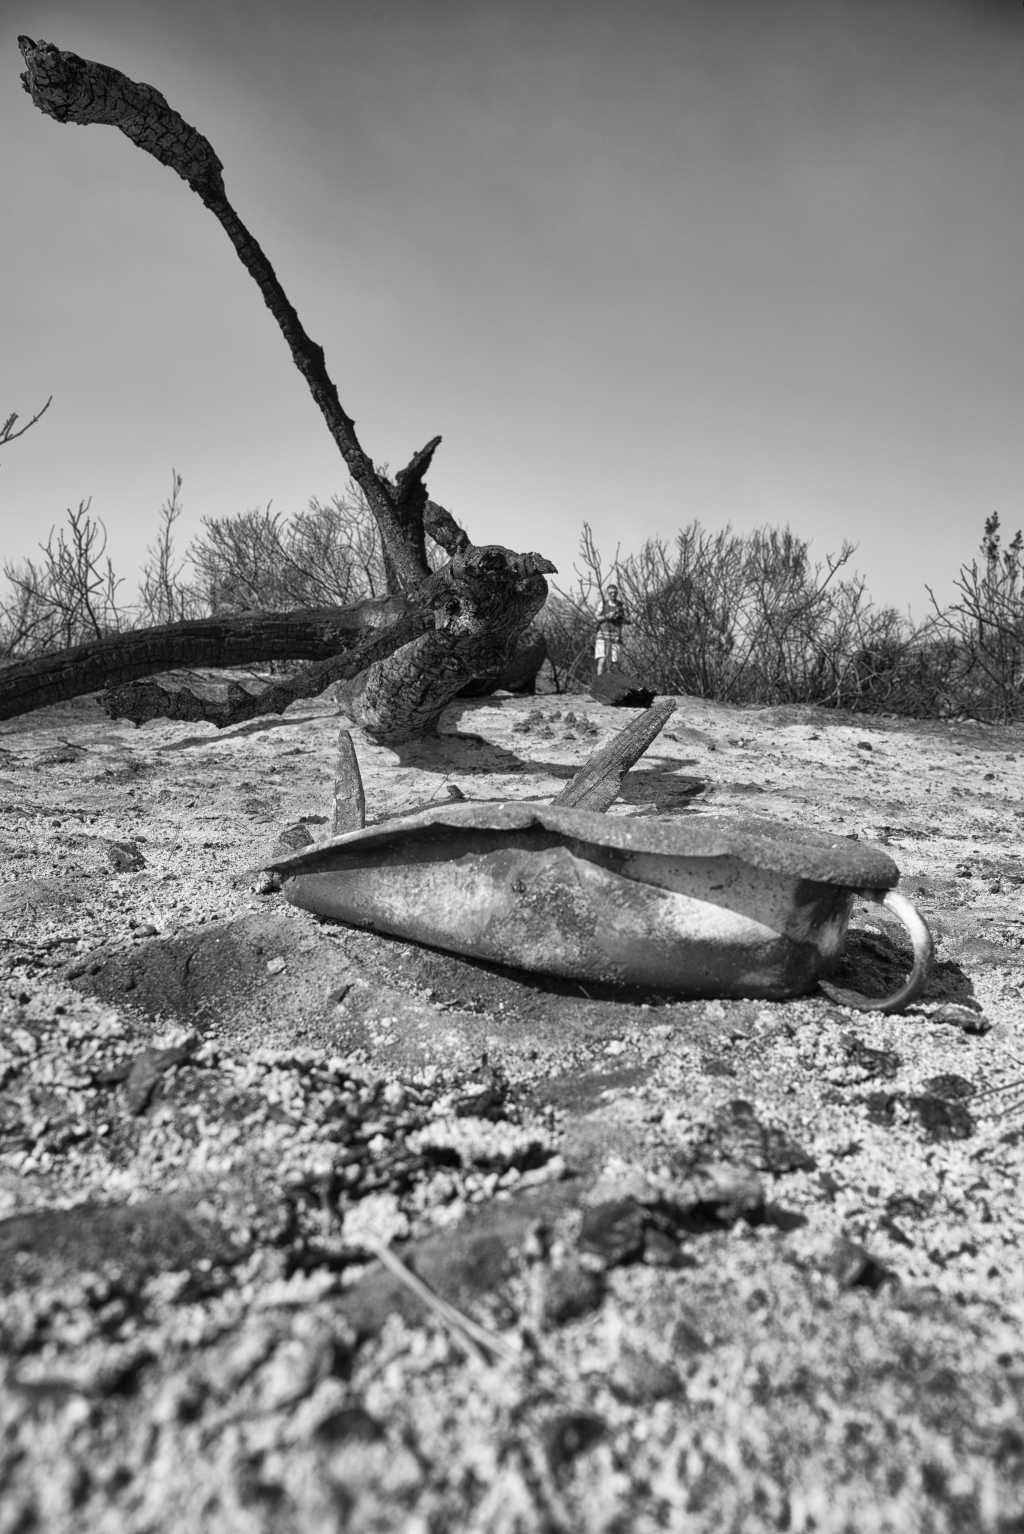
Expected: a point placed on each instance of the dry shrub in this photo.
(751, 619)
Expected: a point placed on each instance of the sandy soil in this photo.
(740, 1265)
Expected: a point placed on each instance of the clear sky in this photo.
(638, 261)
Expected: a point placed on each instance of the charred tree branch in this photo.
(225, 701)
(239, 640)
(597, 783)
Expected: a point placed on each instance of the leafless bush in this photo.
(164, 595)
(986, 628)
(326, 556)
(751, 619)
(66, 597)
(721, 615)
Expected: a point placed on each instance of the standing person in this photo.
(608, 644)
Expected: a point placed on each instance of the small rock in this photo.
(943, 1118)
(638, 1377)
(570, 1291)
(738, 1135)
(148, 1067)
(950, 1086)
(571, 1433)
(275, 966)
(688, 1340)
(864, 745)
(613, 1231)
(295, 837)
(853, 1267)
(348, 1424)
(874, 1062)
(964, 1018)
(145, 929)
(454, 791)
(123, 857)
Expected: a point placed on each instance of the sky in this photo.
(639, 262)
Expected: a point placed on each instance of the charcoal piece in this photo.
(621, 690)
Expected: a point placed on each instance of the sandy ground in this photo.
(740, 1265)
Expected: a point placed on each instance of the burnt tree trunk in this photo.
(488, 595)
(243, 639)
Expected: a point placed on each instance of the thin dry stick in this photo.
(477, 1340)
(349, 796)
(599, 780)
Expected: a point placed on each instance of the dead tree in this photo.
(479, 602)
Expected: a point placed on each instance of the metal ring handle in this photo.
(924, 949)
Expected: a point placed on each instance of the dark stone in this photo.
(295, 837)
(613, 1231)
(739, 1136)
(348, 1424)
(571, 1433)
(621, 690)
(123, 857)
(906, 1206)
(638, 1378)
(853, 1267)
(942, 1117)
(964, 1018)
(950, 1086)
(688, 1340)
(881, 1107)
(147, 1068)
(571, 1291)
(874, 1062)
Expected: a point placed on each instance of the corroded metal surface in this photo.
(704, 906)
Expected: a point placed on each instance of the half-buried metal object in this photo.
(702, 906)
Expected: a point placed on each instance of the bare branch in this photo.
(7, 432)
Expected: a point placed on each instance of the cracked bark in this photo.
(492, 593)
